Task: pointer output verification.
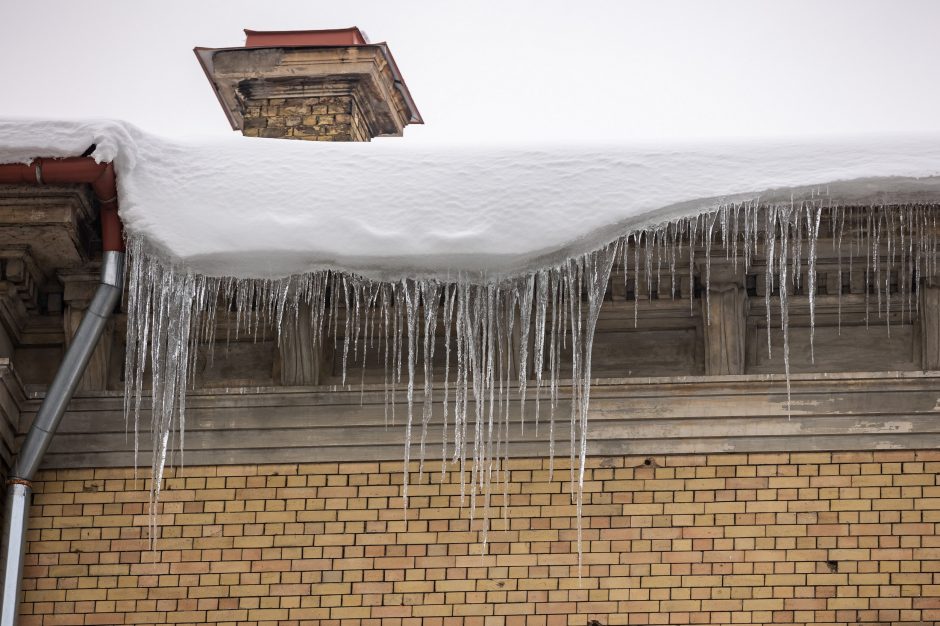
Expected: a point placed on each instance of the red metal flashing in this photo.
(300, 38)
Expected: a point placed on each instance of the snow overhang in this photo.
(247, 208)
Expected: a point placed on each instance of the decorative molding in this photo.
(21, 281)
(12, 401)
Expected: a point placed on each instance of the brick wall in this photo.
(802, 538)
(316, 118)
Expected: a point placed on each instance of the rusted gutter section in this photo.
(75, 170)
(19, 487)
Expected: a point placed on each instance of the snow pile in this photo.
(261, 208)
(500, 259)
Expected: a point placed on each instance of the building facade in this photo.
(717, 490)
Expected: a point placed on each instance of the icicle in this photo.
(525, 323)
(797, 239)
(770, 242)
(708, 268)
(598, 269)
(674, 251)
(784, 297)
(870, 256)
(498, 333)
(449, 298)
(430, 299)
(541, 305)
(693, 227)
(554, 357)
(411, 309)
(839, 225)
(813, 219)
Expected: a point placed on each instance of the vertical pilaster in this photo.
(930, 324)
(79, 289)
(724, 320)
(299, 362)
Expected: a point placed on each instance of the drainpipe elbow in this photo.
(112, 230)
(112, 268)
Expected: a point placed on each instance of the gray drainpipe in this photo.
(40, 434)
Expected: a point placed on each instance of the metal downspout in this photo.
(19, 488)
(47, 420)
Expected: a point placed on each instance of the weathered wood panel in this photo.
(647, 353)
(850, 336)
(851, 349)
(234, 363)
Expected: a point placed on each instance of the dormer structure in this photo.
(315, 85)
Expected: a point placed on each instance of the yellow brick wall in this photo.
(316, 118)
(818, 538)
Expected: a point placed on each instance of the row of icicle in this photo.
(504, 338)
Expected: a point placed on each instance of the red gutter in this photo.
(75, 170)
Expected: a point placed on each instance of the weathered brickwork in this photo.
(804, 538)
(321, 118)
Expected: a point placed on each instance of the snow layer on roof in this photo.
(262, 208)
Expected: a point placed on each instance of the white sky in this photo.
(582, 71)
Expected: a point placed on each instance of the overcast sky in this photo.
(510, 71)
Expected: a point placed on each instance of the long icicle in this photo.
(498, 333)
